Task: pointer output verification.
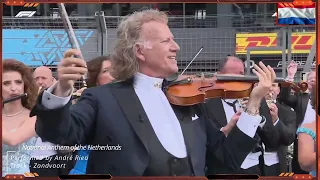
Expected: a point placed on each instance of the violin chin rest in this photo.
(172, 77)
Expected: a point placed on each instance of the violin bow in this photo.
(71, 34)
(191, 61)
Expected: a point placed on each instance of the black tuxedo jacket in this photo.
(112, 115)
(286, 127)
(269, 135)
(297, 101)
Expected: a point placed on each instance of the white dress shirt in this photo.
(270, 158)
(159, 112)
(310, 115)
(252, 159)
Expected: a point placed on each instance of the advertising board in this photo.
(301, 42)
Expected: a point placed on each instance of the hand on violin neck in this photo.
(266, 77)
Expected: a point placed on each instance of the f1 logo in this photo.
(25, 14)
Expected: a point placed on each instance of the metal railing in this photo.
(251, 22)
(97, 34)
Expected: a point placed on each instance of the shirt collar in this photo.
(144, 81)
(230, 100)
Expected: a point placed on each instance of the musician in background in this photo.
(300, 102)
(99, 70)
(98, 73)
(18, 129)
(284, 120)
(225, 111)
(307, 141)
(43, 77)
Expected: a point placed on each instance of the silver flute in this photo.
(270, 99)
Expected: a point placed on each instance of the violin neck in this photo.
(280, 80)
(244, 78)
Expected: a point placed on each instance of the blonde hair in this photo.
(124, 60)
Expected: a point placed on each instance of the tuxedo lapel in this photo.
(216, 110)
(132, 109)
(282, 111)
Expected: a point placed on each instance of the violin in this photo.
(196, 89)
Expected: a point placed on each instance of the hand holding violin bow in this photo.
(70, 69)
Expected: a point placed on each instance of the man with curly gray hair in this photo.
(131, 126)
(145, 43)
